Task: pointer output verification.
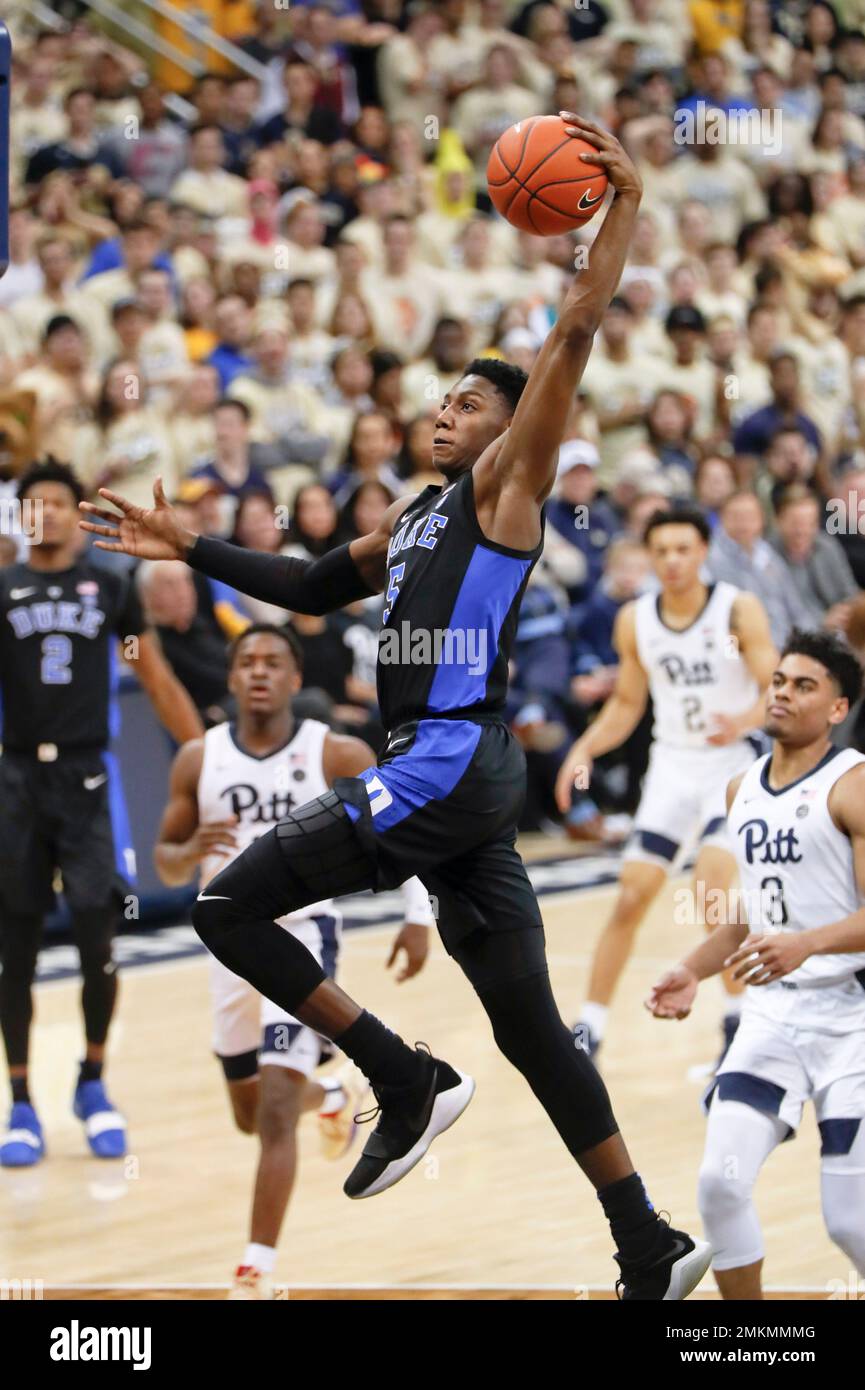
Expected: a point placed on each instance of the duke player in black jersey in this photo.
(444, 799)
(60, 620)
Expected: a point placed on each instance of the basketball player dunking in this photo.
(704, 653)
(228, 788)
(443, 801)
(797, 818)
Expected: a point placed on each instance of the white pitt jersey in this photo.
(260, 791)
(694, 673)
(796, 870)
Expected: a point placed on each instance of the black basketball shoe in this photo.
(410, 1117)
(670, 1270)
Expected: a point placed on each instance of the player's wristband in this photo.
(416, 903)
(304, 586)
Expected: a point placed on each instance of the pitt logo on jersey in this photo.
(763, 848)
(246, 804)
(688, 673)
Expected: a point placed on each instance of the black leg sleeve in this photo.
(94, 931)
(19, 948)
(312, 855)
(508, 971)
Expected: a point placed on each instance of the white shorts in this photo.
(684, 802)
(776, 1068)
(250, 1031)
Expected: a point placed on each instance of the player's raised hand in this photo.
(576, 770)
(154, 533)
(673, 996)
(611, 155)
(760, 960)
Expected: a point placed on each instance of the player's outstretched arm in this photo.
(342, 576)
(182, 842)
(619, 716)
(674, 994)
(172, 704)
(749, 628)
(529, 453)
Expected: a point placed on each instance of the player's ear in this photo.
(840, 710)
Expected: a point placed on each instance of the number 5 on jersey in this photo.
(395, 577)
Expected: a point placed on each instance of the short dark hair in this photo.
(682, 516)
(240, 406)
(287, 633)
(49, 470)
(509, 380)
(834, 653)
(57, 323)
(300, 282)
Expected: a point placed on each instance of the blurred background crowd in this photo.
(257, 282)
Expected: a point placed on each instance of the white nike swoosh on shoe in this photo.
(91, 783)
(21, 593)
(212, 898)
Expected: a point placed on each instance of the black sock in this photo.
(382, 1056)
(20, 1092)
(631, 1215)
(89, 1071)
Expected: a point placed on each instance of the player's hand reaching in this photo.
(576, 770)
(673, 996)
(611, 155)
(154, 534)
(760, 960)
(413, 939)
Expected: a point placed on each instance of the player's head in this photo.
(677, 542)
(476, 410)
(817, 679)
(265, 669)
(53, 490)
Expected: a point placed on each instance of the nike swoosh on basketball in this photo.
(91, 783)
(21, 593)
(586, 202)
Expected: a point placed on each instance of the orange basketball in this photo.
(537, 180)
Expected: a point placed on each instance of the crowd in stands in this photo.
(260, 287)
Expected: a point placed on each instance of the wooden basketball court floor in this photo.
(497, 1211)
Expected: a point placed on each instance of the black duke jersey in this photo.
(57, 630)
(452, 599)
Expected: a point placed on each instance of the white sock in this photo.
(334, 1096)
(261, 1257)
(595, 1016)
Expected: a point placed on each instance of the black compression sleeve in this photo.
(304, 586)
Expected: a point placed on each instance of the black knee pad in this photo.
(322, 850)
(269, 957)
(214, 917)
